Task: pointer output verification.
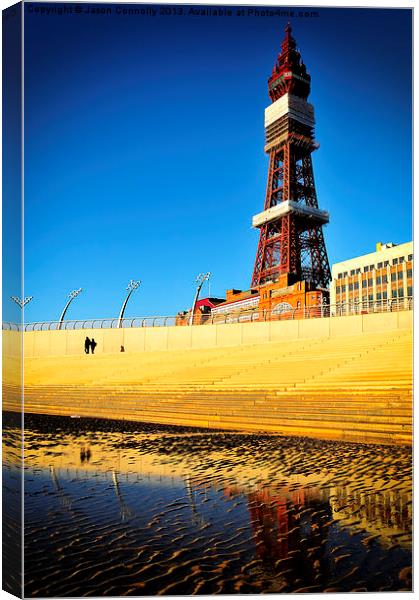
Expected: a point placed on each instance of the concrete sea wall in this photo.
(68, 342)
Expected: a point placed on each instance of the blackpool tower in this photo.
(291, 245)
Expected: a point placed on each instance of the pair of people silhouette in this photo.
(89, 344)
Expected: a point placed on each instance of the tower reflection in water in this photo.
(291, 539)
(311, 537)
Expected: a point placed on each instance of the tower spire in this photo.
(289, 74)
(288, 40)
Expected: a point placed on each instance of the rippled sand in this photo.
(132, 509)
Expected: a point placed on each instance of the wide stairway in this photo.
(355, 388)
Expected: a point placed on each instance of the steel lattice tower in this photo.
(291, 237)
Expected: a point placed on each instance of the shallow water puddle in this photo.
(132, 509)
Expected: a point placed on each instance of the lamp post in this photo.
(20, 302)
(200, 280)
(131, 287)
(71, 297)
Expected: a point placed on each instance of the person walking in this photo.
(93, 345)
(87, 345)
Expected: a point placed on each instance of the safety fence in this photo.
(249, 316)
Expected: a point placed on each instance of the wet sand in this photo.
(129, 509)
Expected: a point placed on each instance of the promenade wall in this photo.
(144, 339)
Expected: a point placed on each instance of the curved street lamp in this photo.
(200, 280)
(131, 287)
(71, 297)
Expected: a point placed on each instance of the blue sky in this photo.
(144, 148)
(11, 163)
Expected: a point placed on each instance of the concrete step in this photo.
(321, 421)
(212, 403)
(319, 393)
(248, 396)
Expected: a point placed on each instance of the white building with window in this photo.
(381, 276)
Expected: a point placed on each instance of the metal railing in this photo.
(110, 323)
(251, 316)
(7, 326)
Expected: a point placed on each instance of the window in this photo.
(370, 297)
(401, 260)
(369, 282)
(338, 289)
(366, 269)
(409, 291)
(409, 273)
(400, 275)
(379, 296)
(345, 274)
(340, 276)
(364, 298)
(410, 257)
(378, 280)
(393, 276)
(358, 271)
(386, 263)
(400, 292)
(384, 278)
(351, 287)
(384, 295)
(380, 265)
(364, 283)
(352, 272)
(395, 261)
(372, 267)
(343, 288)
(394, 293)
(356, 285)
